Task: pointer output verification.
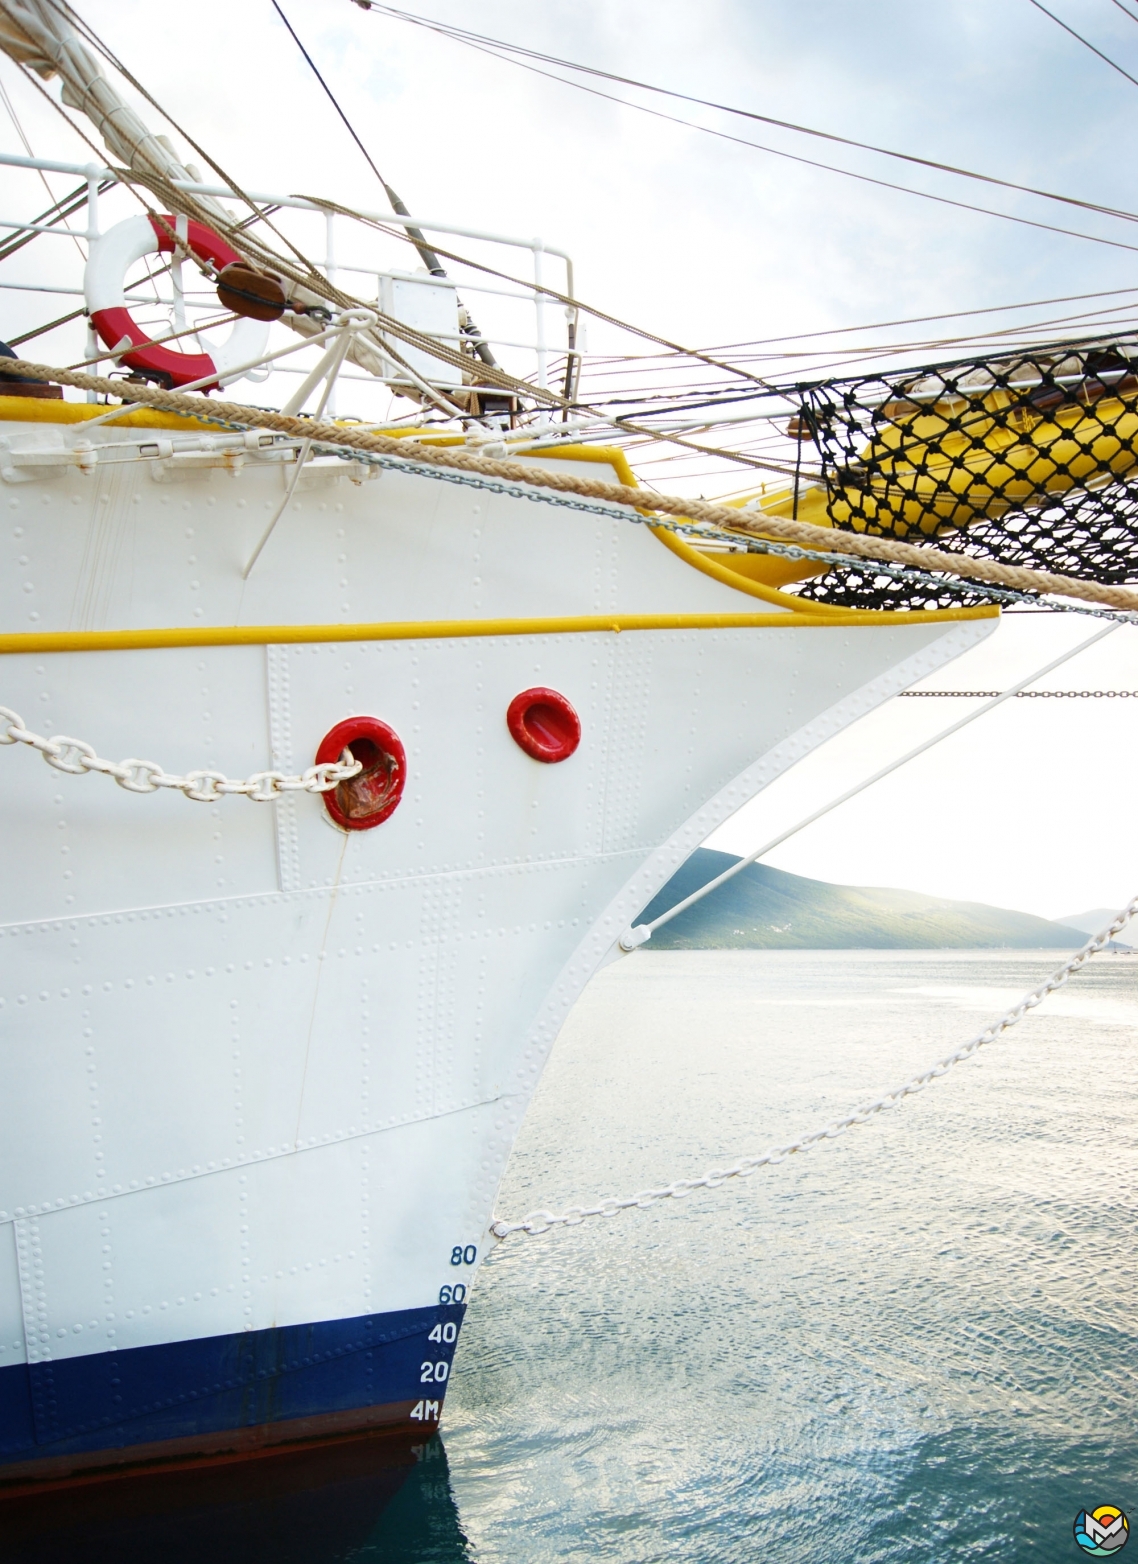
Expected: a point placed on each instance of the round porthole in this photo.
(369, 797)
(544, 724)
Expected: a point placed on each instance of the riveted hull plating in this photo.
(260, 1076)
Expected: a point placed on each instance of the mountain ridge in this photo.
(768, 909)
(1097, 918)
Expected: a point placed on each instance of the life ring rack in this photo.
(110, 257)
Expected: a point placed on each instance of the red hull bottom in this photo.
(392, 1422)
(316, 1499)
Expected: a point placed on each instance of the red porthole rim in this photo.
(374, 739)
(543, 724)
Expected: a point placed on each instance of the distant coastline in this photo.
(767, 909)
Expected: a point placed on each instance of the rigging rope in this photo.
(463, 35)
(1086, 43)
(542, 1221)
(724, 517)
(312, 286)
(495, 48)
(428, 256)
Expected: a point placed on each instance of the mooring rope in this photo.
(1016, 577)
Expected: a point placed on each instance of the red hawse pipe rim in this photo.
(370, 797)
(543, 723)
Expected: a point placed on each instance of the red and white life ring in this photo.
(113, 253)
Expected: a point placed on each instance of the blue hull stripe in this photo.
(112, 1400)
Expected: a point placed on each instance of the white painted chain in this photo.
(146, 776)
(542, 1221)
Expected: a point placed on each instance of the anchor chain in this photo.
(538, 1222)
(145, 776)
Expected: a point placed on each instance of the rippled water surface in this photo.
(914, 1343)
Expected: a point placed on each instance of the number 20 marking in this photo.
(433, 1373)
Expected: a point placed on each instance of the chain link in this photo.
(543, 1221)
(1021, 695)
(147, 776)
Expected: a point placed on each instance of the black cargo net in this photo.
(1031, 460)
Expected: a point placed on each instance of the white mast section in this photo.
(36, 33)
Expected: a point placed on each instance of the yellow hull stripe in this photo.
(446, 629)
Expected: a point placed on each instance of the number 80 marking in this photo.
(461, 1256)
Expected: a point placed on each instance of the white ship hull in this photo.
(259, 1077)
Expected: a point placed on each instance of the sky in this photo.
(709, 242)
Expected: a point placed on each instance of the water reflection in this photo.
(364, 1501)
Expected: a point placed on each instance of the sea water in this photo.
(915, 1342)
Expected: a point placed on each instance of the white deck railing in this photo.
(339, 259)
